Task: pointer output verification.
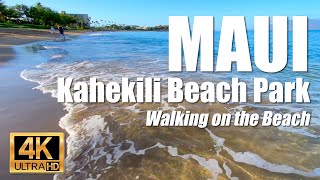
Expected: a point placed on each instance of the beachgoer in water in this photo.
(53, 31)
(61, 32)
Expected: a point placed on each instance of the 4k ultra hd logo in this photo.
(36, 152)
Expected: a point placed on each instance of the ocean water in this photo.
(110, 141)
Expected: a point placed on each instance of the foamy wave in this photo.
(83, 133)
(96, 34)
(88, 132)
(299, 130)
(229, 172)
(57, 56)
(255, 160)
(51, 47)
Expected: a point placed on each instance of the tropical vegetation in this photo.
(40, 17)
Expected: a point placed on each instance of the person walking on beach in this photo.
(61, 32)
(53, 31)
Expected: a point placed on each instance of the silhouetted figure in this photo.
(61, 32)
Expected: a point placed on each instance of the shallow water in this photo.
(111, 141)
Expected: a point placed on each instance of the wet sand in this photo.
(23, 109)
(14, 36)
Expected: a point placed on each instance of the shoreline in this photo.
(10, 37)
(22, 108)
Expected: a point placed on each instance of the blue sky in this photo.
(148, 12)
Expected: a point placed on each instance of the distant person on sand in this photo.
(53, 31)
(61, 32)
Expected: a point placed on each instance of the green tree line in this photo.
(37, 14)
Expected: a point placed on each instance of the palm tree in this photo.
(2, 8)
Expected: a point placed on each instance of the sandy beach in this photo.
(23, 109)
(12, 36)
